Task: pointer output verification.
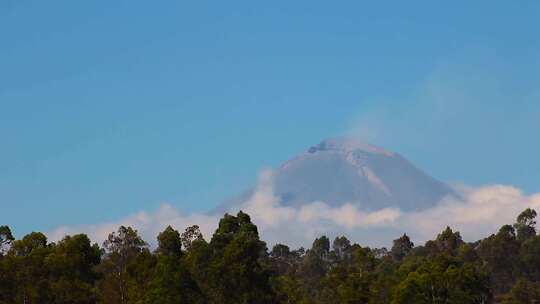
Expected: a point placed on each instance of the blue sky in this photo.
(111, 107)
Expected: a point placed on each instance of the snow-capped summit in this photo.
(345, 170)
(347, 144)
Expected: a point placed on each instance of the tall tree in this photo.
(71, 264)
(236, 273)
(190, 235)
(525, 225)
(314, 266)
(281, 258)
(523, 292)
(169, 243)
(321, 247)
(529, 255)
(121, 250)
(401, 247)
(27, 262)
(350, 284)
(447, 242)
(341, 249)
(443, 281)
(500, 253)
(172, 283)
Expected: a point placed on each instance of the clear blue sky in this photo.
(111, 107)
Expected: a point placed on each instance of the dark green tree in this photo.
(314, 266)
(525, 225)
(197, 261)
(122, 249)
(351, 283)
(72, 276)
(190, 235)
(447, 242)
(235, 267)
(321, 247)
(282, 259)
(169, 243)
(500, 254)
(401, 247)
(523, 292)
(341, 250)
(443, 280)
(236, 274)
(26, 259)
(529, 255)
(172, 283)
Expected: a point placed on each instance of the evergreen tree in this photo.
(71, 264)
(401, 247)
(172, 283)
(341, 250)
(443, 280)
(529, 255)
(523, 292)
(122, 249)
(525, 225)
(169, 243)
(26, 260)
(236, 274)
(235, 267)
(190, 235)
(500, 253)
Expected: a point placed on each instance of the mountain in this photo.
(346, 170)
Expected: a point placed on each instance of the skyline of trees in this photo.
(235, 266)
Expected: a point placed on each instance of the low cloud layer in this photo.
(477, 213)
(148, 224)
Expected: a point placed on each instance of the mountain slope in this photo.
(344, 170)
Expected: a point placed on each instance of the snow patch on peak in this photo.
(345, 170)
(375, 180)
(348, 145)
(353, 150)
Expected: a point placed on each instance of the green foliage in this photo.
(26, 258)
(236, 267)
(500, 254)
(71, 264)
(122, 250)
(341, 250)
(192, 234)
(523, 292)
(529, 255)
(444, 280)
(401, 247)
(525, 225)
(235, 273)
(169, 242)
(447, 242)
(171, 281)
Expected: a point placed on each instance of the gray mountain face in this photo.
(344, 170)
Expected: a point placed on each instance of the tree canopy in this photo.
(235, 266)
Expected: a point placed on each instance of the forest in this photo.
(236, 266)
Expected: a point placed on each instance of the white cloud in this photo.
(148, 224)
(478, 213)
(264, 206)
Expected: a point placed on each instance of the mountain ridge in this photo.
(346, 170)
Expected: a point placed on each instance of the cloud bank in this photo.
(477, 213)
(148, 224)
